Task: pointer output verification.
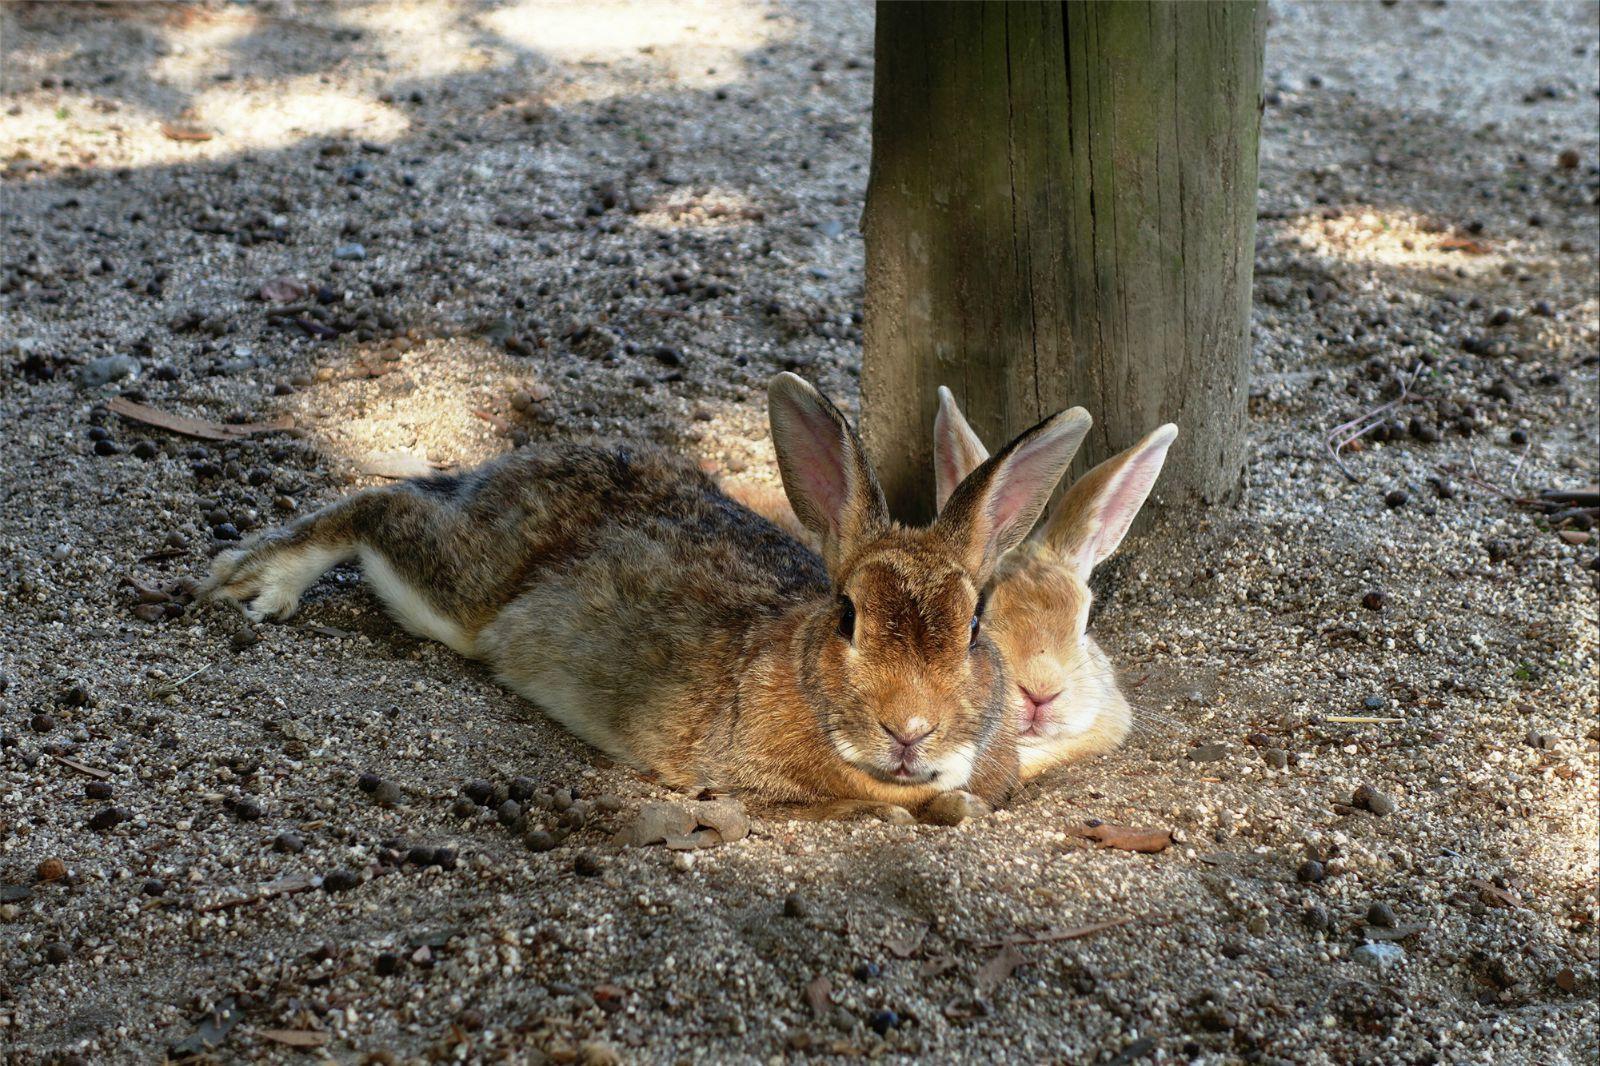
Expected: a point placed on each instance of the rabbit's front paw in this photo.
(953, 808)
(257, 583)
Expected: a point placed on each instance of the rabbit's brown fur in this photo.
(677, 630)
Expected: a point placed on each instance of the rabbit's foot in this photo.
(953, 808)
(265, 581)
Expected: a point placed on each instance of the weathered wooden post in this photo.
(1061, 210)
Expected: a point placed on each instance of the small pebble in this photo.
(521, 789)
(369, 782)
(1374, 600)
(1208, 753)
(340, 881)
(1311, 872)
(539, 840)
(1369, 799)
(464, 807)
(478, 791)
(586, 865)
(1275, 758)
(388, 794)
(1381, 955)
(866, 971)
(51, 870)
(154, 887)
(509, 813)
(288, 842)
(1396, 498)
(1381, 915)
(882, 1021)
(57, 953)
(386, 964)
(795, 906)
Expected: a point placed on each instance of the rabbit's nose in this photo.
(1037, 700)
(910, 734)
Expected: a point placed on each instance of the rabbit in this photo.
(681, 633)
(1066, 697)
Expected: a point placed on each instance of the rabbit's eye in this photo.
(847, 618)
(977, 615)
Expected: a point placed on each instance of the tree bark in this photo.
(1061, 211)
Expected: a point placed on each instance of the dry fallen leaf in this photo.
(193, 427)
(1055, 935)
(906, 946)
(1494, 895)
(283, 290)
(1124, 837)
(186, 131)
(295, 1037)
(992, 974)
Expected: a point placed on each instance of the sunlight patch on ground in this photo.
(714, 208)
(1396, 240)
(200, 47)
(301, 108)
(233, 119)
(682, 45)
(427, 40)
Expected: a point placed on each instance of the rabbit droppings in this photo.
(620, 590)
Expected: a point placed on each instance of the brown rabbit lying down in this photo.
(1065, 695)
(674, 629)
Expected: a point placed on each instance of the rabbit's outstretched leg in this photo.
(265, 576)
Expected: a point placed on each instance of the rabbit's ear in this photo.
(1094, 515)
(995, 506)
(825, 471)
(957, 451)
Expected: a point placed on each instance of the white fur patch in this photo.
(408, 604)
(571, 705)
(955, 767)
(285, 576)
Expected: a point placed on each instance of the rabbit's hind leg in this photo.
(265, 577)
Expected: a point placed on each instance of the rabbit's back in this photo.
(617, 588)
(474, 542)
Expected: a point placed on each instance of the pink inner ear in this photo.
(1120, 504)
(947, 475)
(1028, 476)
(816, 457)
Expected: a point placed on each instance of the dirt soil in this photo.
(424, 231)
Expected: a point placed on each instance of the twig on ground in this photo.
(1487, 486)
(1335, 440)
(1052, 936)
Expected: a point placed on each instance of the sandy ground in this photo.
(618, 220)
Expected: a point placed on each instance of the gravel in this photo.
(617, 223)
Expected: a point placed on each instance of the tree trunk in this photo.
(1061, 211)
